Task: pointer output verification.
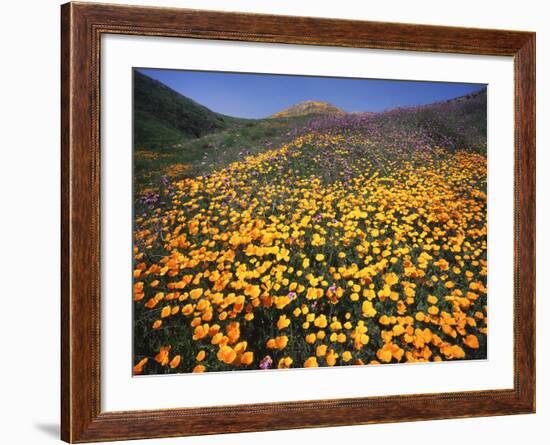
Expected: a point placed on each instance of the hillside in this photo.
(163, 116)
(459, 123)
(308, 107)
(456, 123)
(352, 239)
(193, 140)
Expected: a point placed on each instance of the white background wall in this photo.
(29, 203)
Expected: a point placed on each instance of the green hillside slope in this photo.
(163, 117)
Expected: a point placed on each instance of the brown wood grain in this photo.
(81, 28)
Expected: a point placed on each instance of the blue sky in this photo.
(260, 95)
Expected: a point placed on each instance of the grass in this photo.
(212, 151)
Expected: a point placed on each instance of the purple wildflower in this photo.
(266, 362)
(150, 199)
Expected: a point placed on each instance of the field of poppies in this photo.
(361, 240)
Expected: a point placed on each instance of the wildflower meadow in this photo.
(353, 239)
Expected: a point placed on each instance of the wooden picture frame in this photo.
(82, 26)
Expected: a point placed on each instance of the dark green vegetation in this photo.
(165, 117)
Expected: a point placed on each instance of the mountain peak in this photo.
(308, 107)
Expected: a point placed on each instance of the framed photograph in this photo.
(275, 222)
